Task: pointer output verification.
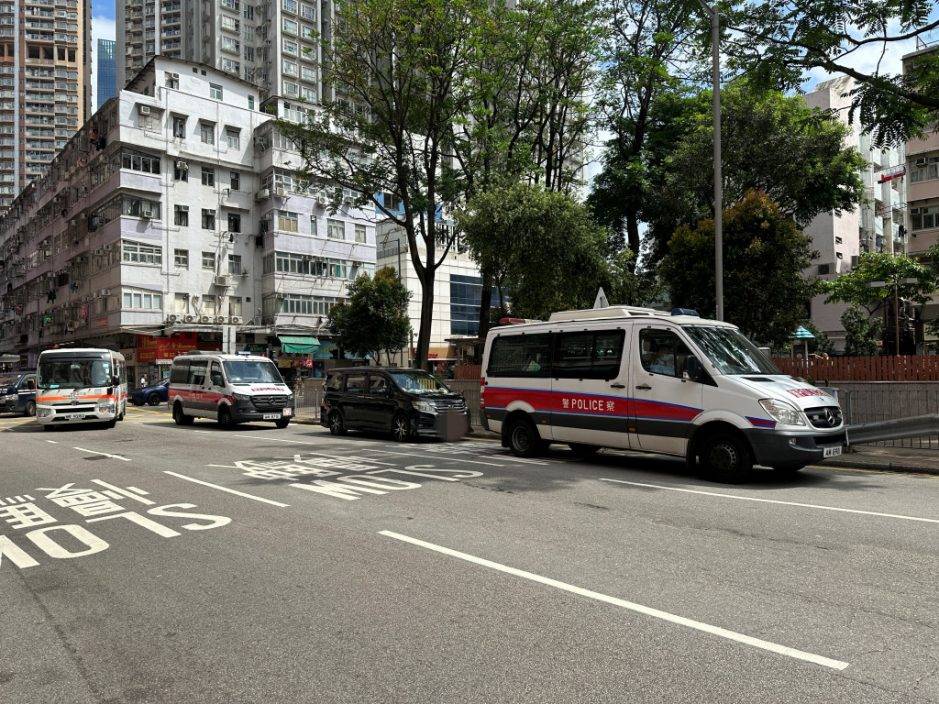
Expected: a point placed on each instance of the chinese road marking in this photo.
(774, 501)
(227, 490)
(629, 605)
(95, 452)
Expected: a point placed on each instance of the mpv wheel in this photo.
(524, 440)
(337, 425)
(180, 417)
(727, 458)
(401, 428)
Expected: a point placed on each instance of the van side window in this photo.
(216, 375)
(662, 352)
(520, 356)
(588, 355)
(179, 373)
(197, 369)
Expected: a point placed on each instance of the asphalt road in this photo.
(264, 565)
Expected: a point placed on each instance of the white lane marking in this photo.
(106, 454)
(774, 501)
(438, 456)
(52, 442)
(227, 490)
(629, 605)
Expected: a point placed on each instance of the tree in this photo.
(375, 317)
(779, 41)
(771, 143)
(861, 332)
(544, 250)
(395, 75)
(645, 43)
(764, 256)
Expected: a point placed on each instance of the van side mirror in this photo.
(693, 370)
(115, 380)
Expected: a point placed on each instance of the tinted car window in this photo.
(197, 369)
(520, 356)
(588, 355)
(663, 352)
(356, 383)
(377, 385)
(334, 382)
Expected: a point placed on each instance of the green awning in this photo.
(298, 344)
(802, 334)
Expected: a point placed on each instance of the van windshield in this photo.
(76, 373)
(729, 351)
(252, 372)
(418, 382)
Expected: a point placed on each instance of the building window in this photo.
(143, 301)
(181, 171)
(289, 6)
(290, 47)
(181, 216)
(215, 91)
(234, 264)
(181, 303)
(250, 102)
(360, 234)
(207, 132)
(289, 68)
(235, 181)
(307, 12)
(234, 306)
(297, 304)
(924, 218)
(233, 137)
(135, 161)
(172, 80)
(234, 222)
(287, 222)
(208, 176)
(181, 258)
(313, 226)
(208, 219)
(839, 240)
(136, 253)
(290, 26)
(179, 126)
(335, 229)
(465, 296)
(209, 306)
(924, 169)
(208, 261)
(231, 24)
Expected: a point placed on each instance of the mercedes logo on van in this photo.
(831, 418)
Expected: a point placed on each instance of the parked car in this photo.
(230, 388)
(18, 393)
(152, 395)
(406, 403)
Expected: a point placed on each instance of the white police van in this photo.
(231, 388)
(640, 379)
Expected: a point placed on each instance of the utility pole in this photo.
(712, 12)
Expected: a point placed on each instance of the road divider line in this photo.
(820, 507)
(105, 454)
(628, 605)
(227, 490)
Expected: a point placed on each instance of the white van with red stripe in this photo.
(229, 388)
(640, 379)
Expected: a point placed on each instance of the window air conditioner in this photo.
(189, 319)
(143, 109)
(205, 320)
(234, 320)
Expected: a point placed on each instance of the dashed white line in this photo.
(820, 507)
(227, 490)
(106, 454)
(52, 442)
(629, 605)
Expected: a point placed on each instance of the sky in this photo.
(102, 27)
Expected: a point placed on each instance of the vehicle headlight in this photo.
(105, 406)
(241, 397)
(784, 413)
(8, 397)
(425, 407)
(43, 411)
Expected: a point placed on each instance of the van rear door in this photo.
(664, 404)
(590, 405)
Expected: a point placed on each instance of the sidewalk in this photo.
(896, 459)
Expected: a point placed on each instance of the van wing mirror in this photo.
(115, 380)
(693, 370)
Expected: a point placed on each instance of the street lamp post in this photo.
(718, 184)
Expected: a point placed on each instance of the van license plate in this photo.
(276, 416)
(832, 451)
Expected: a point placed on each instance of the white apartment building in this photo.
(275, 44)
(45, 85)
(173, 217)
(874, 225)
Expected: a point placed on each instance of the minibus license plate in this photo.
(74, 416)
(832, 451)
(276, 416)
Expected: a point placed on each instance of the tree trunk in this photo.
(632, 232)
(427, 318)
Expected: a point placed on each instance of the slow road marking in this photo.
(629, 605)
(227, 490)
(106, 454)
(774, 501)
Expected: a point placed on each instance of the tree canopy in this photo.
(871, 283)
(375, 317)
(765, 254)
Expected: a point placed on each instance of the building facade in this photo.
(171, 220)
(45, 84)
(106, 83)
(875, 225)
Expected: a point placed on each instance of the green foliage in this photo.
(374, 319)
(544, 250)
(915, 280)
(628, 284)
(822, 344)
(764, 256)
(862, 332)
(779, 41)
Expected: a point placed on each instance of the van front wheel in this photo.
(180, 417)
(726, 458)
(524, 440)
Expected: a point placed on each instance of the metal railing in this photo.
(901, 403)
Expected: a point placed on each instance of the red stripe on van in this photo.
(587, 404)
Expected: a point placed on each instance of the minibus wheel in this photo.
(30, 409)
(726, 458)
(524, 440)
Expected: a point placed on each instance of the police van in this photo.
(230, 388)
(667, 383)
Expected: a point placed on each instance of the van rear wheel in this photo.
(524, 440)
(726, 458)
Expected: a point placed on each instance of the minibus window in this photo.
(729, 351)
(520, 356)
